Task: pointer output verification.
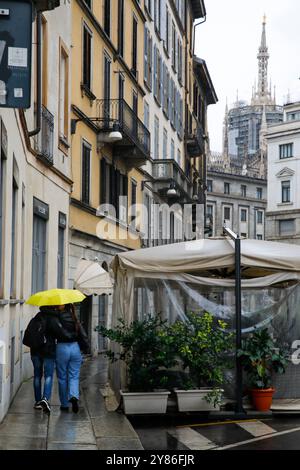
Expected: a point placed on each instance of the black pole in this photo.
(239, 410)
(238, 313)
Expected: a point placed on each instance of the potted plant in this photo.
(147, 351)
(261, 357)
(202, 344)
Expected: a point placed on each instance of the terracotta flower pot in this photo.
(262, 398)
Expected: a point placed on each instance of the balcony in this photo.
(167, 173)
(195, 142)
(45, 139)
(118, 115)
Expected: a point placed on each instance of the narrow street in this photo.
(93, 428)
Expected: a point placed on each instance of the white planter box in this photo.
(145, 403)
(194, 400)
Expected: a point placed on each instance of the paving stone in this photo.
(113, 425)
(64, 446)
(119, 443)
(24, 425)
(22, 443)
(82, 415)
(66, 432)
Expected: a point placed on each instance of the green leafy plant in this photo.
(203, 344)
(147, 350)
(260, 357)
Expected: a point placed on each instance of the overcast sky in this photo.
(229, 40)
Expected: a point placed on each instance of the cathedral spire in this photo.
(225, 139)
(263, 95)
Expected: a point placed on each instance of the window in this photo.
(87, 57)
(40, 217)
(259, 217)
(114, 189)
(259, 237)
(62, 224)
(106, 81)
(157, 15)
(173, 45)
(146, 115)
(133, 203)
(165, 144)
(226, 188)
(286, 191)
(148, 5)
(85, 172)
(286, 151)
(3, 157)
(259, 193)
(63, 94)
(106, 17)
(134, 46)
(209, 185)
(14, 215)
(147, 58)
(243, 215)
(167, 39)
(295, 116)
(156, 137)
(178, 157)
(89, 3)
(172, 149)
(287, 227)
(227, 213)
(243, 190)
(244, 235)
(44, 74)
(121, 27)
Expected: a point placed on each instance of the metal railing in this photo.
(117, 114)
(45, 138)
(195, 141)
(170, 170)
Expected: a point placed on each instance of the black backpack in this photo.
(34, 336)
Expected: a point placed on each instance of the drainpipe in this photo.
(194, 38)
(37, 130)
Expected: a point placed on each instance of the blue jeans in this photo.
(42, 367)
(68, 363)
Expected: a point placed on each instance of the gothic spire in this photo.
(263, 95)
(225, 139)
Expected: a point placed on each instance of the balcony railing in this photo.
(45, 138)
(166, 171)
(195, 142)
(118, 115)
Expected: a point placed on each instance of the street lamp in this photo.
(239, 410)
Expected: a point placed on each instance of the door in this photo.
(85, 315)
(102, 306)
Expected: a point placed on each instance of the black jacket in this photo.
(65, 330)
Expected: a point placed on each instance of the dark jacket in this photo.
(48, 350)
(65, 330)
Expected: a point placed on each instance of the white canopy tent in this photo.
(200, 276)
(208, 262)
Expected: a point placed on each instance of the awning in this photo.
(92, 279)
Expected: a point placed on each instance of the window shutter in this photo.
(146, 52)
(103, 181)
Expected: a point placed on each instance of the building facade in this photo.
(156, 97)
(236, 200)
(283, 211)
(35, 188)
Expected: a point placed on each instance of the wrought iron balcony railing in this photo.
(166, 171)
(45, 138)
(195, 141)
(118, 115)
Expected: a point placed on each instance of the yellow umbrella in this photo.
(55, 297)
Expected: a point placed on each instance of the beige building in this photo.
(35, 188)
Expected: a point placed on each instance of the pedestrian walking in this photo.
(42, 342)
(71, 339)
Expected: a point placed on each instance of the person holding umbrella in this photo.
(65, 333)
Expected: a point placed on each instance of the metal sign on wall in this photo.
(15, 53)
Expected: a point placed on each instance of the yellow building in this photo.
(109, 141)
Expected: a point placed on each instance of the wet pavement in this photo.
(278, 432)
(93, 428)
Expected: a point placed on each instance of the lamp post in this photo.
(239, 410)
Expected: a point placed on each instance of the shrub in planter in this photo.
(203, 344)
(261, 357)
(147, 351)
